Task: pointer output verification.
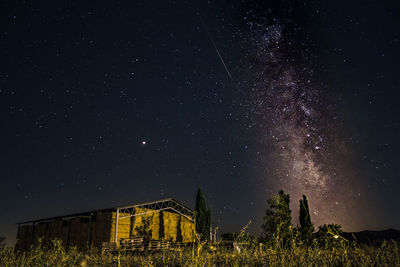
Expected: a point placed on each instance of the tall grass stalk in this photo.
(201, 255)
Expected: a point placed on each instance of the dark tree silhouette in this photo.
(203, 216)
(306, 226)
(277, 220)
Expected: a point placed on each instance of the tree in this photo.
(306, 226)
(203, 216)
(277, 220)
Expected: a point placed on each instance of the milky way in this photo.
(296, 127)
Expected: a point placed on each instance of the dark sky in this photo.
(107, 103)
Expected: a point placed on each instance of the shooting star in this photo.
(215, 46)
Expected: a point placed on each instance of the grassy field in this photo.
(385, 255)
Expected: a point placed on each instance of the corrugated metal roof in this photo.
(106, 210)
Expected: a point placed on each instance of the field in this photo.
(387, 254)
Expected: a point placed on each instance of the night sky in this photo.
(110, 103)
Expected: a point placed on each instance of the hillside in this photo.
(373, 237)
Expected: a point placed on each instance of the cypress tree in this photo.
(306, 226)
(203, 215)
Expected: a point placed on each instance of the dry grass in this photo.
(55, 255)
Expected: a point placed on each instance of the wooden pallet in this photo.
(135, 243)
(159, 244)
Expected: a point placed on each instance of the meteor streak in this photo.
(215, 46)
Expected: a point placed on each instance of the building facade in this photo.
(165, 219)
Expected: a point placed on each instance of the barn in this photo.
(164, 220)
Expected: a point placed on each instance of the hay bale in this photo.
(124, 226)
(152, 216)
(171, 225)
(188, 230)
